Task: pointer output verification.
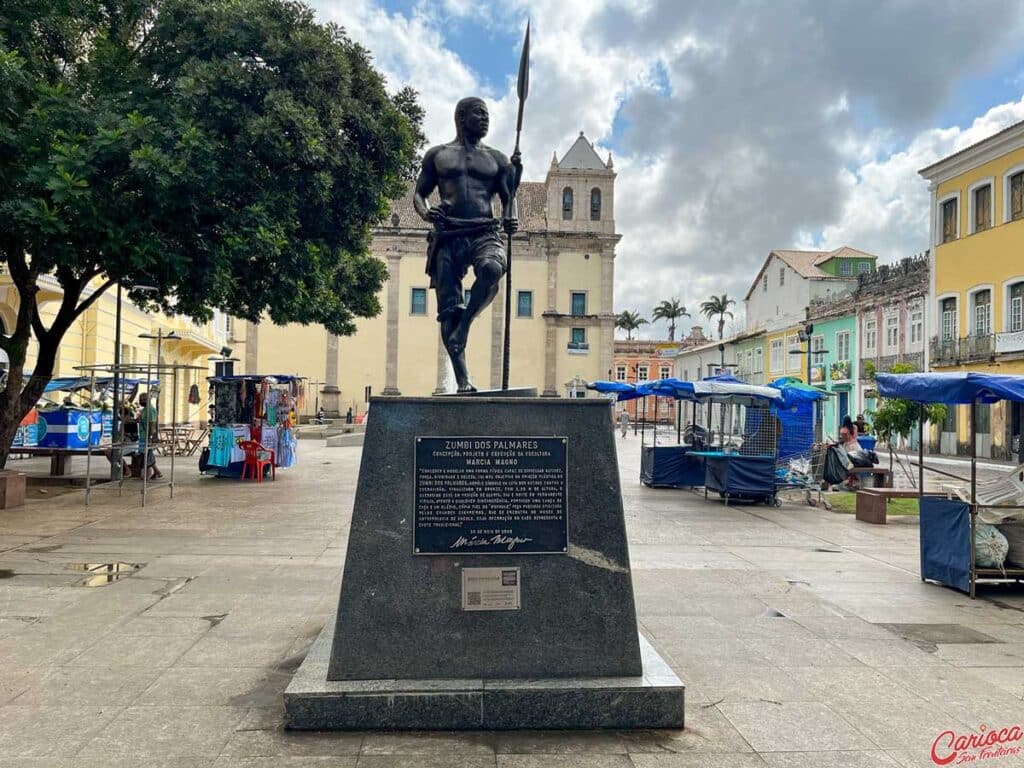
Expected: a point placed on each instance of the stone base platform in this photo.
(312, 702)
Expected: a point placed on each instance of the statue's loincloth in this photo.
(461, 244)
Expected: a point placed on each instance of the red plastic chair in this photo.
(256, 458)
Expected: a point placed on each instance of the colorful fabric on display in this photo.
(268, 438)
(222, 444)
(287, 447)
(241, 434)
(272, 414)
(225, 400)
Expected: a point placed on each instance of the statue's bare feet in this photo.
(466, 386)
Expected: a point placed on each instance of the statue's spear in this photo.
(522, 88)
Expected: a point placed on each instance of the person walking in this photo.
(148, 435)
(624, 422)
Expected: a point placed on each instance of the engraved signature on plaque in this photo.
(490, 495)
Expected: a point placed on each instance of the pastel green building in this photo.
(835, 367)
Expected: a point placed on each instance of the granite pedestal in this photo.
(405, 652)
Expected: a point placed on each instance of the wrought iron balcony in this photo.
(977, 348)
(578, 346)
(969, 349)
(884, 363)
(944, 351)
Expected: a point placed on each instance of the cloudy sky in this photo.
(735, 127)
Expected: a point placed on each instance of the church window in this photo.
(567, 204)
(419, 301)
(595, 204)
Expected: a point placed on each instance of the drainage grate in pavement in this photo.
(101, 574)
(938, 634)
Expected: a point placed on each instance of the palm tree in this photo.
(671, 311)
(718, 305)
(629, 322)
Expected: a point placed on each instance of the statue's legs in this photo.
(489, 271)
(485, 254)
(449, 323)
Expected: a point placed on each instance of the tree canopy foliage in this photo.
(233, 153)
(718, 306)
(671, 311)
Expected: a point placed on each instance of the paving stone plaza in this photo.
(804, 638)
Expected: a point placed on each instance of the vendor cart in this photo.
(949, 525)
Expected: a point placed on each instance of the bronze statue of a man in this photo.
(467, 175)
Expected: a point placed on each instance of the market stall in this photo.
(661, 466)
(964, 534)
(739, 461)
(252, 407)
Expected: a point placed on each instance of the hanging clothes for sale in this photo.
(268, 438)
(250, 407)
(193, 394)
(287, 446)
(222, 444)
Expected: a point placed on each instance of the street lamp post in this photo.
(115, 421)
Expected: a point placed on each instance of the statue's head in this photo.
(471, 118)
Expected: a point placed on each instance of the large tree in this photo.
(233, 153)
(718, 306)
(629, 321)
(671, 311)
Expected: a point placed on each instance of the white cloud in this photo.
(738, 128)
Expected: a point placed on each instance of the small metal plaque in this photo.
(490, 495)
(491, 589)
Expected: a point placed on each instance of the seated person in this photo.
(848, 441)
(863, 428)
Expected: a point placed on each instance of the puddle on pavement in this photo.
(101, 574)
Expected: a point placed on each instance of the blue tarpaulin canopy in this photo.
(951, 388)
(680, 390)
(280, 378)
(621, 389)
(714, 389)
(795, 392)
(74, 383)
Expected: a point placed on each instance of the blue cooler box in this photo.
(867, 442)
(69, 428)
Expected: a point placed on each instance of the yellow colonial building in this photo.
(563, 322)
(976, 317)
(91, 339)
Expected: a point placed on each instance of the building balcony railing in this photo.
(969, 349)
(579, 347)
(884, 363)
